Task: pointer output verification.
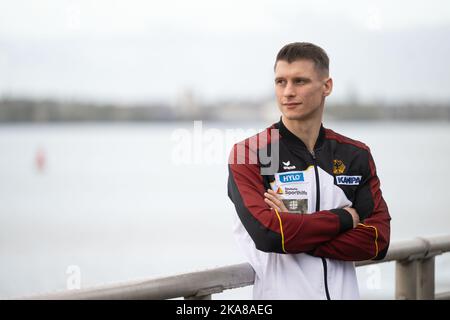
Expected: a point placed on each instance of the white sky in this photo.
(154, 50)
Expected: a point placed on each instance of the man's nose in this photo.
(289, 90)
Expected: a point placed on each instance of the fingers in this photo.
(280, 202)
(272, 205)
(271, 195)
(273, 200)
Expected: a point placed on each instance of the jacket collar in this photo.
(289, 136)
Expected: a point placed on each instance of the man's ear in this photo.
(328, 87)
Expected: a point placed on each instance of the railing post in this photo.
(425, 289)
(414, 279)
(205, 294)
(406, 279)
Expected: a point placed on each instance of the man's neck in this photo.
(307, 131)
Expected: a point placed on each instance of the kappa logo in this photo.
(348, 180)
(338, 166)
(287, 165)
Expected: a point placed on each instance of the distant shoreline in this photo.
(54, 111)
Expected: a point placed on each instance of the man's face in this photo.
(301, 89)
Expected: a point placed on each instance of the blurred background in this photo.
(116, 118)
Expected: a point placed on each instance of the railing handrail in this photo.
(204, 283)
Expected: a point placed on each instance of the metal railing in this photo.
(414, 274)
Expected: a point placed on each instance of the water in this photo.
(114, 201)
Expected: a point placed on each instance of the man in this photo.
(308, 200)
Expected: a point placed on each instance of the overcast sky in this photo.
(156, 50)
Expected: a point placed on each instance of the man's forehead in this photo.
(301, 67)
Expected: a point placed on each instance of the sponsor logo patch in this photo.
(348, 180)
(292, 177)
(296, 205)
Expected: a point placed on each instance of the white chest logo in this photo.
(287, 165)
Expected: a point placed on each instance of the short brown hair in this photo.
(304, 50)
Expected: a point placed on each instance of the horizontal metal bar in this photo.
(442, 296)
(203, 283)
(418, 248)
(185, 285)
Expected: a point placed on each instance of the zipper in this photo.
(324, 261)
(316, 171)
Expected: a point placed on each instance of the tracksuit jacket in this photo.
(307, 252)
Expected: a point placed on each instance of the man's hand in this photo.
(354, 214)
(274, 201)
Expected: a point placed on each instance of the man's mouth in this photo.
(291, 105)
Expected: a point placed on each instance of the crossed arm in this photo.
(336, 233)
(347, 246)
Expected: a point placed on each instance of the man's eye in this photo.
(279, 81)
(299, 81)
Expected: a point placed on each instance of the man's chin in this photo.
(300, 116)
(294, 117)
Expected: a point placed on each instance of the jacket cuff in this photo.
(345, 219)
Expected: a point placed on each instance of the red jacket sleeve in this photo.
(273, 231)
(370, 239)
